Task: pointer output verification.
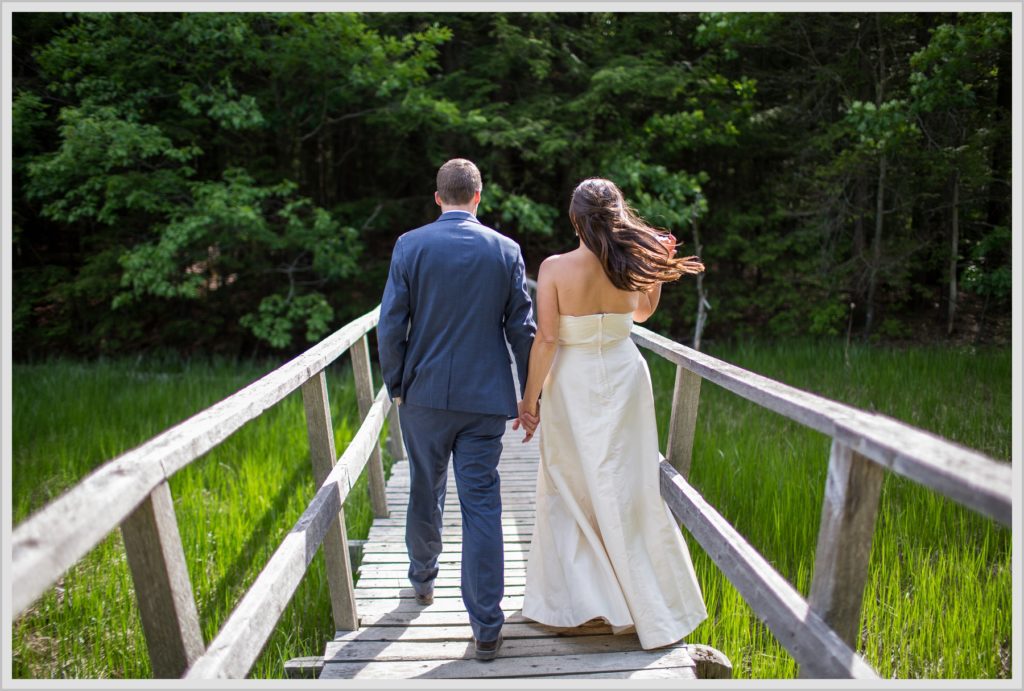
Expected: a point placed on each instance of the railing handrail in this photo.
(232, 653)
(820, 632)
(58, 535)
(801, 631)
(965, 475)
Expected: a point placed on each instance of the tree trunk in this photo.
(702, 300)
(953, 251)
(321, 170)
(876, 245)
(860, 201)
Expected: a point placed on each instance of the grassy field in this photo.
(234, 506)
(938, 599)
(937, 602)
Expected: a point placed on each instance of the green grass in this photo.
(938, 598)
(234, 506)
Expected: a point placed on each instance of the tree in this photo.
(954, 87)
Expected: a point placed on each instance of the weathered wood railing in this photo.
(132, 491)
(820, 633)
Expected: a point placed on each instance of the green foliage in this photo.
(673, 199)
(277, 314)
(881, 128)
(158, 162)
(947, 71)
(234, 172)
(828, 319)
(988, 272)
(517, 211)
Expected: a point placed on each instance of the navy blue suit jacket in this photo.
(455, 292)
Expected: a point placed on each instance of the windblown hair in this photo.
(630, 252)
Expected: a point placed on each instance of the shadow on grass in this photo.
(235, 575)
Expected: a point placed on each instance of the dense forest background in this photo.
(233, 183)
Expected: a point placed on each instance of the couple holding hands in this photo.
(605, 545)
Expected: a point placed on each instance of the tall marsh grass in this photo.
(938, 598)
(234, 505)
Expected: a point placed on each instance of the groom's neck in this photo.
(445, 208)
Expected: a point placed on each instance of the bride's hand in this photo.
(669, 241)
(528, 419)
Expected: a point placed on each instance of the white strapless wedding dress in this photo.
(605, 544)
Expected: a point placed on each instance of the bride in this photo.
(605, 544)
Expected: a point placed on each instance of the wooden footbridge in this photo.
(382, 633)
(400, 639)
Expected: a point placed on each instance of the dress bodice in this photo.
(601, 329)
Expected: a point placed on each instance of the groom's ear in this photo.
(437, 198)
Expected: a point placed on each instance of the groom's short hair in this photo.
(457, 181)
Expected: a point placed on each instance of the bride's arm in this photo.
(647, 303)
(545, 343)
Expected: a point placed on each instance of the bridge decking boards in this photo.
(399, 639)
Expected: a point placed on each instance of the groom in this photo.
(455, 292)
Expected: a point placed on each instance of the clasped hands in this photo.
(528, 419)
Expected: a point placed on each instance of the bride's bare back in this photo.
(581, 286)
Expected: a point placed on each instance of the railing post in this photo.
(396, 444)
(335, 543)
(681, 426)
(364, 394)
(163, 588)
(848, 516)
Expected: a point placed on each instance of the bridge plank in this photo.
(511, 667)
(441, 582)
(448, 633)
(359, 650)
(446, 611)
(409, 593)
(446, 558)
(451, 533)
(657, 673)
(444, 575)
(401, 639)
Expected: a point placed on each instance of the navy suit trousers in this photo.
(473, 442)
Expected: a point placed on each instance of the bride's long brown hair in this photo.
(630, 252)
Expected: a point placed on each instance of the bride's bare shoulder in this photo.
(570, 257)
(552, 263)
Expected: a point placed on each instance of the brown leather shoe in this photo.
(487, 650)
